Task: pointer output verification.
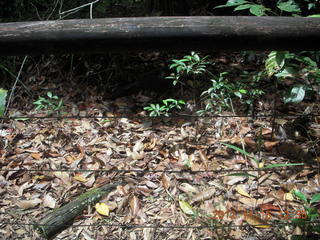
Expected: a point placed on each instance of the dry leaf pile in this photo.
(140, 151)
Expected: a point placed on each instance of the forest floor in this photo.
(225, 176)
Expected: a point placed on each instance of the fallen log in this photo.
(159, 33)
(61, 218)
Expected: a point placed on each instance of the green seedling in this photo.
(312, 214)
(156, 110)
(51, 103)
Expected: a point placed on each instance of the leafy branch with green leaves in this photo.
(50, 103)
(156, 110)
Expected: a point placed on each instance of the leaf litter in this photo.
(136, 146)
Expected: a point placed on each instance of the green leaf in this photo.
(22, 119)
(186, 207)
(238, 94)
(316, 228)
(315, 198)
(232, 3)
(257, 10)
(299, 221)
(244, 91)
(315, 15)
(3, 96)
(280, 57)
(296, 94)
(196, 57)
(242, 7)
(38, 102)
(243, 174)
(300, 195)
(289, 6)
(240, 151)
(49, 94)
(276, 165)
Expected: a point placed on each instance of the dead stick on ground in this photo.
(62, 217)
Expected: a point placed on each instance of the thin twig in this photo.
(14, 85)
(74, 10)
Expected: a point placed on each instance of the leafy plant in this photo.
(220, 94)
(3, 96)
(312, 213)
(259, 9)
(189, 66)
(169, 104)
(312, 4)
(283, 64)
(289, 6)
(51, 103)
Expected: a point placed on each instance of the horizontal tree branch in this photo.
(159, 34)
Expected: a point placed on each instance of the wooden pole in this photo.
(159, 34)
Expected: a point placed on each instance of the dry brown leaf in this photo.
(49, 201)
(231, 180)
(205, 195)
(288, 197)
(147, 234)
(266, 131)
(70, 159)
(244, 129)
(204, 158)
(81, 154)
(134, 205)
(187, 188)
(150, 145)
(241, 191)
(270, 145)
(36, 156)
(278, 194)
(80, 178)
(139, 146)
(267, 207)
(21, 231)
(135, 155)
(250, 142)
(165, 181)
(64, 176)
(256, 221)
(102, 209)
(26, 204)
(251, 202)
(21, 188)
(288, 186)
(151, 184)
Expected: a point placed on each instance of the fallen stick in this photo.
(61, 218)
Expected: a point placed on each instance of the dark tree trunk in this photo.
(161, 34)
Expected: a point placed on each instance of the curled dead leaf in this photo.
(49, 201)
(256, 221)
(165, 181)
(205, 195)
(269, 145)
(241, 191)
(187, 188)
(80, 178)
(134, 205)
(26, 204)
